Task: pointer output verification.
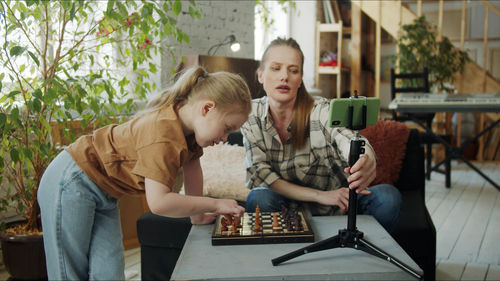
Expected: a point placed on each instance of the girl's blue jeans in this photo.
(383, 203)
(81, 225)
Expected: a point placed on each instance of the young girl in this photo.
(79, 191)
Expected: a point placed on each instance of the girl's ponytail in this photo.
(178, 93)
(229, 91)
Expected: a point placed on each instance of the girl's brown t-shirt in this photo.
(118, 158)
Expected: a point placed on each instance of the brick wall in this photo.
(218, 20)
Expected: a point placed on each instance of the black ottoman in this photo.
(161, 240)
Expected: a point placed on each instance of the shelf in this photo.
(340, 30)
(331, 69)
(333, 27)
(328, 70)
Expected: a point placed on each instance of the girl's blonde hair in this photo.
(228, 91)
(304, 102)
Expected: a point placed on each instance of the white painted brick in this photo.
(218, 20)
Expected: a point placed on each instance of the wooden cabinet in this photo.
(131, 209)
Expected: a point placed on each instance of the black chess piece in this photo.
(350, 237)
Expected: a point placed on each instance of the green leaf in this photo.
(72, 12)
(177, 7)
(14, 155)
(152, 68)
(16, 50)
(3, 119)
(50, 95)
(109, 8)
(13, 94)
(30, 2)
(37, 105)
(146, 11)
(27, 152)
(122, 9)
(65, 4)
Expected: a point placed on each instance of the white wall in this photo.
(302, 29)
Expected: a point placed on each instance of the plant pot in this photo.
(24, 256)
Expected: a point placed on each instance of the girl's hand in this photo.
(228, 207)
(338, 197)
(204, 218)
(363, 172)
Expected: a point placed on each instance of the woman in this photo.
(292, 154)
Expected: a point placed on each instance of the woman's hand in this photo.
(338, 197)
(363, 172)
(204, 218)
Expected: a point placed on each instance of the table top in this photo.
(199, 260)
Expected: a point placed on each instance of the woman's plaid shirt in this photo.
(319, 164)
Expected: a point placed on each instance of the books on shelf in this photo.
(327, 9)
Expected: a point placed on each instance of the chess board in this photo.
(285, 232)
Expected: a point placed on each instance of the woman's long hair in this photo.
(303, 103)
(228, 91)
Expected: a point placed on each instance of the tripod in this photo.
(350, 237)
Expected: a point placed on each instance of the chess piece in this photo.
(275, 220)
(234, 227)
(238, 222)
(297, 224)
(223, 222)
(257, 227)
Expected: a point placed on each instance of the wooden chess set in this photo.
(286, 226)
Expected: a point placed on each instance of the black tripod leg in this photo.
(371, 249)
(330, 243)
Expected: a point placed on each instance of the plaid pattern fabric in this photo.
(319, 164)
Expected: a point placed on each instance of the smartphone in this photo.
(339, 111)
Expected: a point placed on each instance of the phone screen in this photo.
(339, 111)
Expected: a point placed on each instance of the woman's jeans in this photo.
(81, 225)
(383, 203)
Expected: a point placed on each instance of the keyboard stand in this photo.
(424, 102)
(453, 152)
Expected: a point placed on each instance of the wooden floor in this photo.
(466, 217)
(467, 220)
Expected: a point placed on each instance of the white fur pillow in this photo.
(223, 172)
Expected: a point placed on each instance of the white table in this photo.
(199, 260)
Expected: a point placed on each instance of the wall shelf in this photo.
(339, 30)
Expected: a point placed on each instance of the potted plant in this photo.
(64, 66)
(418, 47)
